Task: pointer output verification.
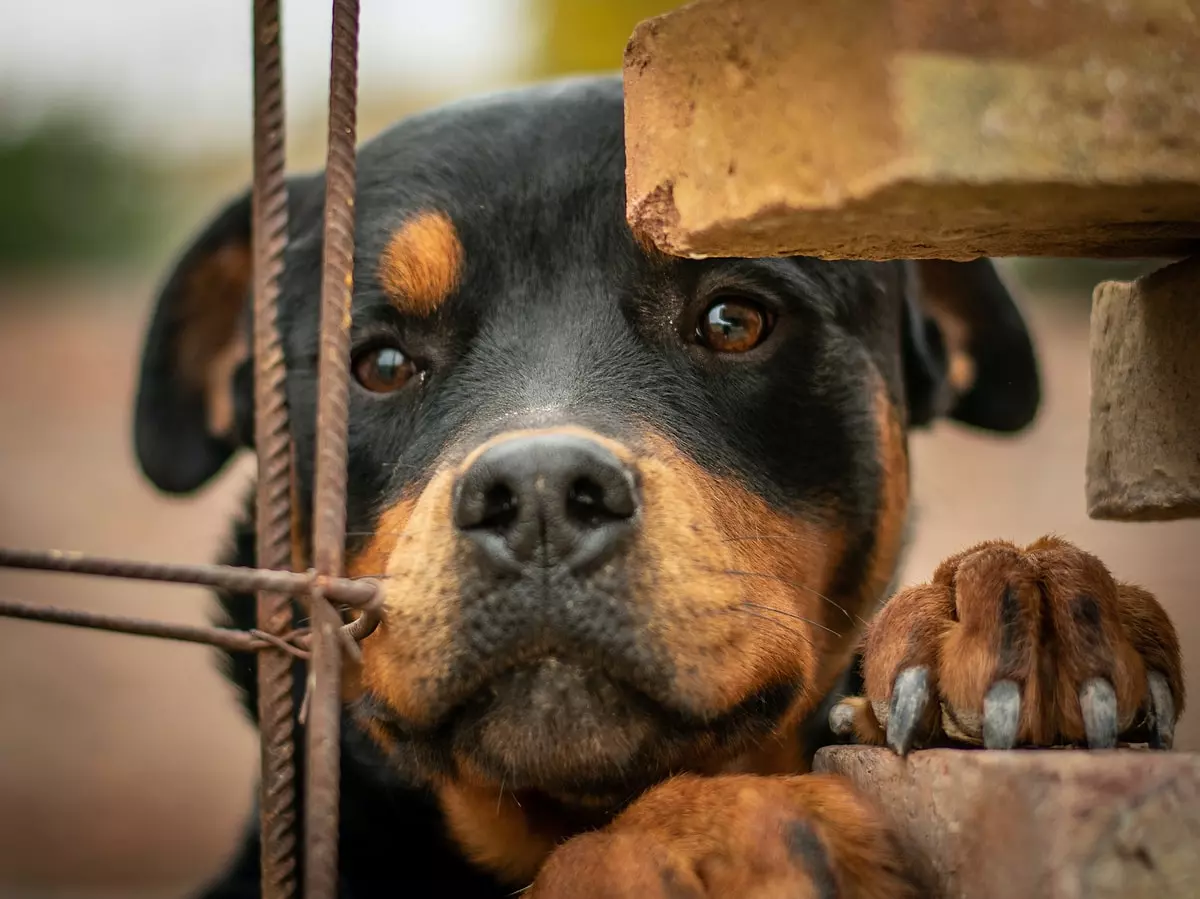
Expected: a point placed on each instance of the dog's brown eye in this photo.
(733, 325)
(383, 369)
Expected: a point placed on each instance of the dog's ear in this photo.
(195, 397)
(967, 350)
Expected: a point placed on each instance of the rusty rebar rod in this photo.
(361, 593)
(273, 519)
(323, 758)
(293, 643)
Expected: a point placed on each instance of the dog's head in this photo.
(629, 510)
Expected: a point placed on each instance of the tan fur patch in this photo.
(218, 387)
(412, 554)
(422, 264)
(733, 590)
(943, 296)
(493, 831)
(507, 834)
(209, 346)
(893, 506)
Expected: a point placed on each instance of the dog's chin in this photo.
(572, 732)
(558, 728)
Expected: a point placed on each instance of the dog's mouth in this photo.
(554, 724)
(577, 732)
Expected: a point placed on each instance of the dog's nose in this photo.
(548, 499)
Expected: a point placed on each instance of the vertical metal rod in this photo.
(277, 796)
(329, 532)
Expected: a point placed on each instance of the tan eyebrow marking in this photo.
(422, 263)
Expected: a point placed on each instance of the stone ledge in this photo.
(1143, 460)
(915, 128)
(1048, 824)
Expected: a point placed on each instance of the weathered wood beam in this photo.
(916, 128)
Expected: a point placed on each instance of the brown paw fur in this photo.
(806, 837)
(1019, 646)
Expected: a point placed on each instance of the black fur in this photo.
(559, 309)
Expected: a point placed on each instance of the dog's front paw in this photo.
(739, 835)
(1008, 646)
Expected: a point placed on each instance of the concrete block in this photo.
(1050, 824)
(915, 128)
(1143, 459)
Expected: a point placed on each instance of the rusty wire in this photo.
(272, 440)
(323, 759)
(294, 642)
(361, 593)
(276, 640)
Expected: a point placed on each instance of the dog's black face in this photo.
(629, 510)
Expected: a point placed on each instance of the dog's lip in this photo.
(651, 739)
(495, 685)
(553, 724)
(474, 700)
(479, 688)
(457, 708)
(671, 730)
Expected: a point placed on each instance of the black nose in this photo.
(547, 499)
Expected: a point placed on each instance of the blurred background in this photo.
(125, 767)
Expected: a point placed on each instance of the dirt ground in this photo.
(125, 768)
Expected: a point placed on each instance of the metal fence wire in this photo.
(277, 639)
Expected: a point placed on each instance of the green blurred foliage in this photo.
(588, 35)
(69, 196)
(72, 197)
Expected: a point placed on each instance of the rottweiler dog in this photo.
(638, 519)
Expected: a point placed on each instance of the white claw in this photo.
(910, 698)
(1098, 702)
(1162, 711)
(1001, 715)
